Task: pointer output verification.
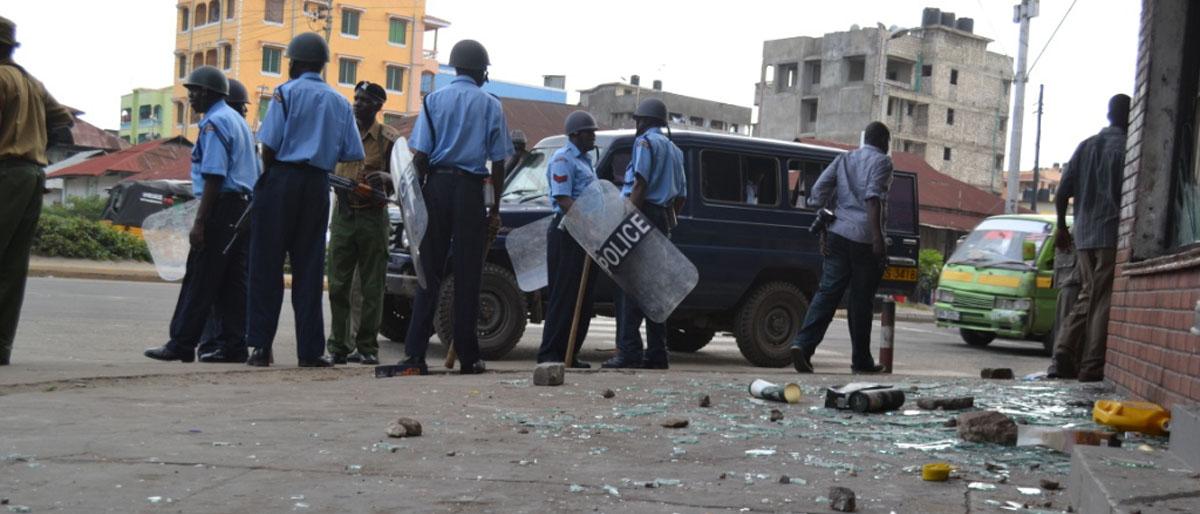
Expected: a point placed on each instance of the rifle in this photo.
(351, 186)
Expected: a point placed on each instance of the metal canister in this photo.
(876, 400)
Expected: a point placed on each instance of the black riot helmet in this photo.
(468, 54)
(308, 47)
(237, 93)
(652, 108)
(210, 78)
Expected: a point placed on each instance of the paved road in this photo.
(72, 328)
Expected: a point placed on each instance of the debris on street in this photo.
(404, 427)
(786, 393)
(959, 403)
(997, 373)
(987, 427)
(776, 415)
(705, 402)
(549, 374)
(608, 394)
(841, 499)
(675, 423)
(864, 397)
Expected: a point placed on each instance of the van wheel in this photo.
(976, 337)
(501, 312)
(394, 324)
(688, 340)
(767, 321)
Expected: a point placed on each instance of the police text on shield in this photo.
(622, 241)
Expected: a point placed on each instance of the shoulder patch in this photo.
(644, 142)
(560, 178)
(278, 95)
(389, 133)
(210, 128)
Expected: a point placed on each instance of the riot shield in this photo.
(412, 203)
(166, 234)
(527, 250)
(623, 243)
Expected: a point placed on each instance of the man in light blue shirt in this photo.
(308, 129)
(656, 184)
(570, 172)
(224, 171)
(459, 130)
(856, 184)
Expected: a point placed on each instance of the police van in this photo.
(745, 227)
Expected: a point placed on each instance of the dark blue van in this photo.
(758, 263)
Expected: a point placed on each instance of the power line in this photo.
(1052, 34)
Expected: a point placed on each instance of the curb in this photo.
(41, 268)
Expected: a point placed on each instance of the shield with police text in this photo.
(412, 203)
(526, 247)
(166, 234)
(638, 257)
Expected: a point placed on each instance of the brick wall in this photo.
(1151, 353)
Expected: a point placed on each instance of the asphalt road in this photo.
(72, 328)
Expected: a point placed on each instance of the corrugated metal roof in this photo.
(163, 158)
(537, 119)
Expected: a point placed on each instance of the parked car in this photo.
(130, 202)
(758, 263)
(999, 282)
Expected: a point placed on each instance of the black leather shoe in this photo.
(338, 358)
(801, 360)
(260, 358)
(163, 353)
(368, 359)
(354, 357)
(474, 369)
(619, 362)
(319, 362)
(873, 370)
(4, 361)
(578, 364)
(413, 361)
(655, 365)
(223, 355)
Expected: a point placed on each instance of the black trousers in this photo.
(289, 218)
(457, 225)
(214, 280)
(630, 315)
(564, 260)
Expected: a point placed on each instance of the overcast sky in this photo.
(709, 49)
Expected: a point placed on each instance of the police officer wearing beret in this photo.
(308, 129)
(459, 130)
(655, 183)
(570, 172)
(224, 172)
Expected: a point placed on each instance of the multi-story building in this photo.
(147, 114)
(383, 43)
(942, 93)
(613, 104)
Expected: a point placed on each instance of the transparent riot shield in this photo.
(527, 250)
(166, 234)
(623, 243)
(412, 204)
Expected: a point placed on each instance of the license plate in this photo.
(900, 274)
(948, 315)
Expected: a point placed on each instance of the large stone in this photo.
(841, 499)
(675, 423)
(404, 427)
(987, 427)
(996, 373)
(959, 403)
(549, 374)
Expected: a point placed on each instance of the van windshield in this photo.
(998, 243)
(528, 181)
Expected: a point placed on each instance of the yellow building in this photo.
(383, 41)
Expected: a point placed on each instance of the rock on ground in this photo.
(987, 427)
(956, 403)
(996, 373)
(549, 374)
(404, 427)
(675, 423)
(841, 499)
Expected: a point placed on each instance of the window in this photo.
(227, 53)
(953, 76)
(949, 116)
(264, 103)
(731, 178)
(946, 153)
(201, 16)
(927, 70)
(397, 32)
(184, 19)
(391, 119)
(210, 57)
(909, 108)
(144, 113)
(347, 71)
(891, 105)
(426, 83)
(126, 116)
(273, 11)
(350, 22)
(143, 137)
(270, 59)
(182, 64)
(214, 11)
(157, 116)
(812, 70)
(808, 115)
(395, 79)
(734, 128)
(787, 74)
(229, 9)
(179, 110)
(802, 174)
(716, 125)
(676, 118)
(696, 121)
(197, 60)
(856, 68)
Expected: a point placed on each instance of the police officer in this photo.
(308, 129)
(655, 183)
(460, 128)
(30, 119)
(571, 170)
(238, 98)
(358, 237)
(223, 176)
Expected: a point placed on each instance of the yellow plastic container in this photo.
(1145, 417)
(935, 472)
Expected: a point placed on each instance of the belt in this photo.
(231, 195)
(456, 172)
(302, 165)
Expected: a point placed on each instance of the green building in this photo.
(146, 115)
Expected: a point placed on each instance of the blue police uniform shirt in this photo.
(468, 128)
(308, 122)
(660, 163)
(569, 173)
(225, 149)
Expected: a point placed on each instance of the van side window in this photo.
(902, 205)
(614, 170)
(731, 178)
(802, 174)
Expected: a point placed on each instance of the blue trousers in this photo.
(289, 218)
(847, 264)
(564, 261)
(214, 281)
(630, 315)
(457, 225)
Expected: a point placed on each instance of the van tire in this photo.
(976, 337)
(767, 322)
(688, 340)
(394, 323)
(502, 312)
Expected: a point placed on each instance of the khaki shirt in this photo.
(27, 112)
(376, 142)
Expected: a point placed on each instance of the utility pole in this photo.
(1021, 14)
(326, 13)
(1037, 150)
